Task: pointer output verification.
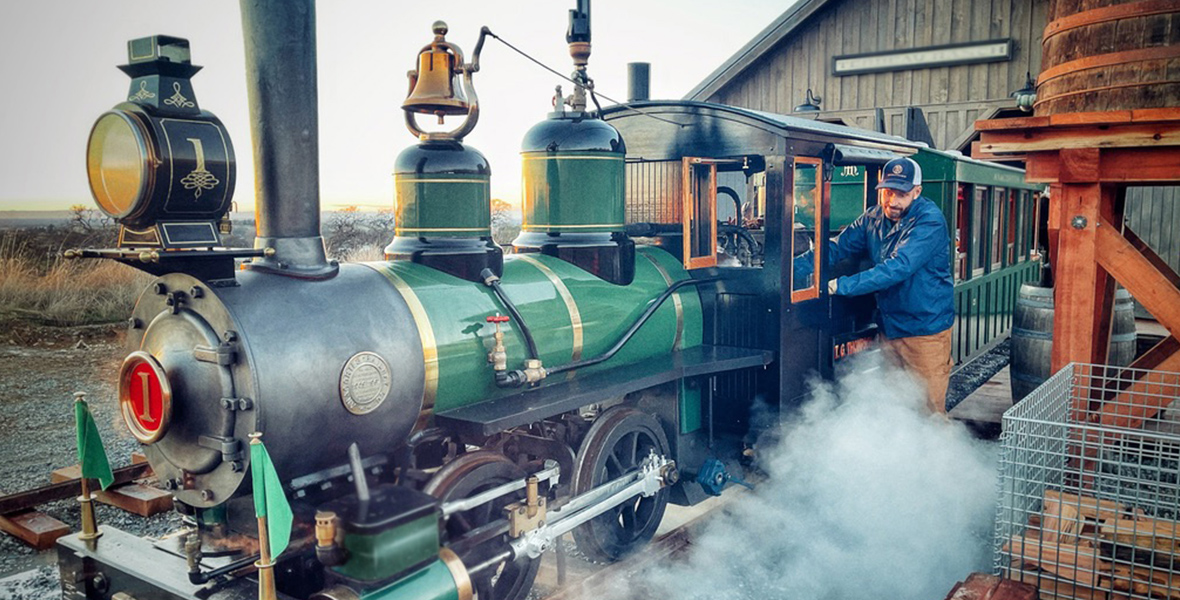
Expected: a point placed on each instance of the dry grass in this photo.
(54, 291)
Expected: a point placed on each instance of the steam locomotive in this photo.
(442, 418)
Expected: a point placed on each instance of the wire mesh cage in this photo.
(1089, 498)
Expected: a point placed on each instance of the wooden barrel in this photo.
(1103, 55)
(1032, 337)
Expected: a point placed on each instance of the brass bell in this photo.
(435, 88)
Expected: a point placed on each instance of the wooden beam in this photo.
(1137, 135)
(1136, 272)
(1160, 265)
(1153, 358)
(1112, 117)
(1117, 165)
(1145, 398)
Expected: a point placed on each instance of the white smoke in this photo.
(867, 497)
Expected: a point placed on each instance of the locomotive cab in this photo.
(739, 195)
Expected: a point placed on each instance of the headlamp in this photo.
(158, 164)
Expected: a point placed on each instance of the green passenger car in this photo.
(991, 213)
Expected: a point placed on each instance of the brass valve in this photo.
(327, 548)
(533, 371)
(325, 528)
(499, 355)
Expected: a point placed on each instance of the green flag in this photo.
(91, 455)
(269, 500)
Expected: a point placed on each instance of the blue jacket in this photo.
(912, 268)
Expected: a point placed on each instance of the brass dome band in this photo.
(675, 301)
(589, 226)
(570, 305)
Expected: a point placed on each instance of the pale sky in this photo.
(59, 58)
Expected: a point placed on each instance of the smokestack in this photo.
(281, 82)
(638, 81)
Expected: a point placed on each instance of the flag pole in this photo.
(266, 573)
(89, 523)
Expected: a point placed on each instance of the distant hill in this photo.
(17, 219)
(10, 219)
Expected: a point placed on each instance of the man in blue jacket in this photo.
(907, 239)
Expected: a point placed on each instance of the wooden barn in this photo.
(923, 69)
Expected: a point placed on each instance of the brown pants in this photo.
(927, 357)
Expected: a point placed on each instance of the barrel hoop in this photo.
(1033, 303)
(1032, 335)
(425, 332)
(675, 301)
(1017, 375)
(1104, 88)
(1122, 338)
(1145, 8)
(411, 179)
(1107, 60)
(570, 305)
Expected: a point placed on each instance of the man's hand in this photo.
(832, 286)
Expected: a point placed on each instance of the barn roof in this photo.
(790, 20)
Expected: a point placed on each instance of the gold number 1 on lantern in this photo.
(200, 179)
(146, 414)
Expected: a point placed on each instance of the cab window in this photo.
(806, 198)
(700, 213)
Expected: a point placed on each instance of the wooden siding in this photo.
(1153, 213)
(952, 98)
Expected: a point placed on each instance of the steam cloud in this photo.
(867, 497)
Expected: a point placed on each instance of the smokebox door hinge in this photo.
(230, 448)
(223, 354)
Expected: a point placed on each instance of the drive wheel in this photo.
(616, 444)
(466, 476)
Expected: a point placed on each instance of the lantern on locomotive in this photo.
(158, 165)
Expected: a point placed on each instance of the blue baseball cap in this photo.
(901, 174)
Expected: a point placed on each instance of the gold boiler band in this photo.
(675, 301)
(425, 332)
(568, 298)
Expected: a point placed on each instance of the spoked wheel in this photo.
(466, 476)
(616, 444)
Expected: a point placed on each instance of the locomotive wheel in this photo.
(467, 476)
(616, 444)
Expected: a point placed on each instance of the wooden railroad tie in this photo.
(132, 497)
(19, 517)
(1082, 547)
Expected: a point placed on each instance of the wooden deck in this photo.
(983, 409)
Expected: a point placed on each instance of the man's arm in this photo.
(919, 245)
(851, 242)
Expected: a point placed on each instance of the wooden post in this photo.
(1077, 274)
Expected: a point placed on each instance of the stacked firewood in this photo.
(1084, 548)
(981, 586)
